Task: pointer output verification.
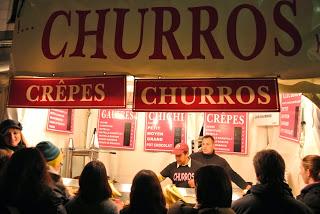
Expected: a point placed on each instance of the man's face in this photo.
(207, 146)
(182, 159)
(12, 137)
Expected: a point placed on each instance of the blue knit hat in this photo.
(48, 150)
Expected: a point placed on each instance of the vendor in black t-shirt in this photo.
(181, 172)
(207, 156)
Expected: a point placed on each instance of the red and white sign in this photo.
(290, 117)
(206, 95)
(60, 120)
(117, 129)
(163, 130)
(229, 130)
(86, 92)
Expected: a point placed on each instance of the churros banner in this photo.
(219, 94)
(196, 38)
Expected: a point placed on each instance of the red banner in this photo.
(206, 95)
(60, 120)
(163, 130)
(290, 118)
(87, 92)
(116, 129)
(229, 130)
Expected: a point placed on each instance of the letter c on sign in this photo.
(28, 93)
(144, 96)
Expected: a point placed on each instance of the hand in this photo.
(246, 189)
(191, 183)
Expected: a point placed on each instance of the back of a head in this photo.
(146, 195)
(312, 163)
(94, 186)
(26, 175)
(213, 187)
(269, 167)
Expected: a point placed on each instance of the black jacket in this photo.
(181, 208)
(59, 188)
(310, 195)
(215, 159)
(264, 198)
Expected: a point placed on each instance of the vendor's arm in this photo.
(165, 173)
(236, 178)
(160, 177)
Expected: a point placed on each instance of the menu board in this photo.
(290, 118)
(229, 130)
(60, 120)
(116, 129)
(163, 130)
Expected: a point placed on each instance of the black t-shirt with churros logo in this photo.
(181, 175)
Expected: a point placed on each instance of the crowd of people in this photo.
(30, 183)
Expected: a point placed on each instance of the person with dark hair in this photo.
(271, 194)
(13, 139)
(181, 172)
(213, 192)
(207, 156)
(27, 186)
(54, 158)
(94, 194)
(146, 196)
(310, 173)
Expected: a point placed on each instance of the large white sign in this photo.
(204, 38)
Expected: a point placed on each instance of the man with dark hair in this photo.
(271, 194)
(207, 156)
(181, 172)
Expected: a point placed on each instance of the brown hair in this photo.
(146, 195)
(213, 187)
(94, 186)
(269, 167)
(208, 136)
(26, 178)
(312, 163)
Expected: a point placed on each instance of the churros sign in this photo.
(206, 95)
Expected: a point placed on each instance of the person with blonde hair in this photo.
(54, 158)
(310, 173)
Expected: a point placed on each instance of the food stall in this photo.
(169, 41)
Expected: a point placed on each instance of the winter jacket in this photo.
(78, 206)
(181, 208)
(265, 198)
(59, 188)
(48, 203)
(310, 195)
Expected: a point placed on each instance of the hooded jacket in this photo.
(267, 198)
(310, 195)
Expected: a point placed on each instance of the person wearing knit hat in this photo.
(11, 135)
(51, 153)
(54, 158)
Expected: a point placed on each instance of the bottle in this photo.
(70, 144)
